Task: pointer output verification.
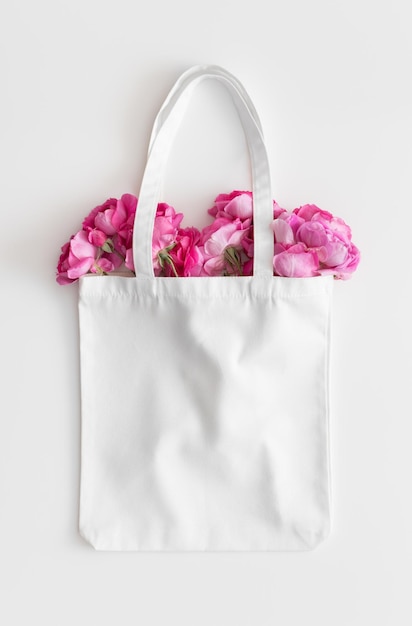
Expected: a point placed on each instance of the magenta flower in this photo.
(112, 222)
(185, 257)
(89, 221)
(113, 215)
(63, 265)
(307, 241)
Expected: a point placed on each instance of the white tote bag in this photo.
(204, 400)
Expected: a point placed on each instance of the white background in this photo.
(81, 82)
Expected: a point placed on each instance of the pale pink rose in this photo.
(222, 249)
(342, 261)
(235, 206)
(165, 231)
(312, 213)
(285, 227)
(296, 262)
(313, 234)
(331, 238)
(346, 269)
(214, 238)
(229, 234)
(209, 230)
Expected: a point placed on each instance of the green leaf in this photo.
(233, 260)
(108, 246)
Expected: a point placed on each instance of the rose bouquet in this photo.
(307, 242)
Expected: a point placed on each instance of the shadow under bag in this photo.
(204, 400)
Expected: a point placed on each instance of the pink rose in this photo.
(79, 257)
(285, 226)
(89, 221)
(165, 230)
(63, 265)
(113, 215)
(296, 262)
(111, 223)
(166, 226)
(185, 258)
(222, 248)
(128, 204)
(331, 238)
(97, 237)
(277, 210)
(237, 204)
(307, 241)
(168, 212)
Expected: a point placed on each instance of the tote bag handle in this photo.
(165, 128)
(177, 99)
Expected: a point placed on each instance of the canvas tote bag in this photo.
(204, 400)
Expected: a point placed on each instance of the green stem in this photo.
(120, 255)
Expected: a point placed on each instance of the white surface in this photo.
(80, 85)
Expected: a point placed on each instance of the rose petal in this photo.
(81, 247)
(241, 206)
(283, 232)
(129, 259)
(103, 221)
(337, 254)
(312, 234)
(80, 268)
(97, 237)
(297, 265)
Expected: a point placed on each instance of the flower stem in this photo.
(164, 257)
(119, 254)
(172, 265)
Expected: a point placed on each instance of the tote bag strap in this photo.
(165, 128)
(178, 98)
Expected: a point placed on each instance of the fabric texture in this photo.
(204, 400)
